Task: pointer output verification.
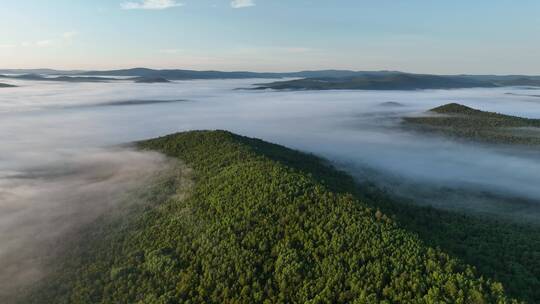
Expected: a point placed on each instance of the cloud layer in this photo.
(65, 37)
(42, 206)
(242, 3)
(150, 4)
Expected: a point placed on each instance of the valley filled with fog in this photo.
(43, 123)
(64, 162)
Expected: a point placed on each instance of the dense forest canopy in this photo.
(266, 224)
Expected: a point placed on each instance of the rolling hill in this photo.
(40, 71)
(266, 224)
(310, 80)
(464, 122)
(176, 74)
(150, 80)
(339, 77)
(399, 81)
(5, 85)
(38, 77)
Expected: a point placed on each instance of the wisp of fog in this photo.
(41, 204)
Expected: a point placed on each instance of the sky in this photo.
(425, 36)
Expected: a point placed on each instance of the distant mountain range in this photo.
(176, 74)
(310, 80)
(38, 77)
(40, 71)
(396, 81)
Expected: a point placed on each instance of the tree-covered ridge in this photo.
(389, 81)
(37, 77)
(500, 249)
(488, 119)
(261, 225)
(465, 122)
(5, 85)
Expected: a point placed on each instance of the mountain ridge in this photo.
(265, 224)
(303, 80)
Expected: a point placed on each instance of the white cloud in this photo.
(242, 3)
(66, 38)
(295, 49)
(150, 4)
(170, 51)
(274, 50)
(43, 43)
(69, 35)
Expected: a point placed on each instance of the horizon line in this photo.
(265, 72)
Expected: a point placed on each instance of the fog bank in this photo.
(40, 205)
(55, 174)
(357, 127)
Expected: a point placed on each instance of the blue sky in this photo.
(431, 36)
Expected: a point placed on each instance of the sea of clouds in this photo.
(59, 156)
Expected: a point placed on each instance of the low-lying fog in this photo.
(40, 121)
(51, 127)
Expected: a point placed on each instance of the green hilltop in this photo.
(464, 122)
(488, 119)
(266, 224)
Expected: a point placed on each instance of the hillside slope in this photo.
(400, 81)
(464, 122)
(263, 224)
(76, 79)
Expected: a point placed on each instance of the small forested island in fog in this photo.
(391, 104)
(464, 122)
(398, 81)
(150, 80)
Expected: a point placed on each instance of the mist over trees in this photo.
(265, 224)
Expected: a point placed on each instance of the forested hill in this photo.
(397, 81)
(467, 123)
(308, 80)
(264, 224)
